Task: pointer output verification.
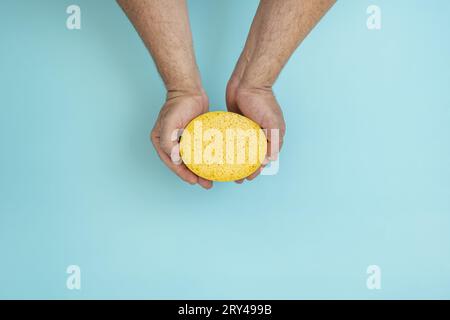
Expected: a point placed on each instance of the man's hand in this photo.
(176, 113)
(261, 106)
(164, 28)
(277, 30)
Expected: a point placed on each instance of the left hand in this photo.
(261, 106)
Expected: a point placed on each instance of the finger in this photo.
(274, 143)
(168, 141)
(254, 174)
(179, 169)
(170, 149)
(207, 184)
(239, 181)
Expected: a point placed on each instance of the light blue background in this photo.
(364, 175)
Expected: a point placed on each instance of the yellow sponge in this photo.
(223, 146)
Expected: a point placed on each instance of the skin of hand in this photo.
(175, 114)
(163, 25)
(260, 105)
(277, 30)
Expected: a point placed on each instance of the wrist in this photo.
(247, 85)
(253, 88)
(185, 91)
(187, 83)
(199, 95)
(260, 72)
(255, 83)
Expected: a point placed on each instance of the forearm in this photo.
(164, 27)
(277, 30)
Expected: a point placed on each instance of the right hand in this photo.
(178, 110)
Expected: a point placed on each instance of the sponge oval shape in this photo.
(223, 146)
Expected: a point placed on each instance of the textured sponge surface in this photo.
(223, 146)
